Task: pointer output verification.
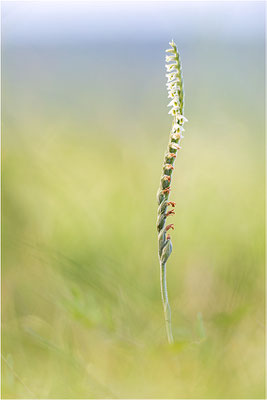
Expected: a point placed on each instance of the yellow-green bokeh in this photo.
(84, 132)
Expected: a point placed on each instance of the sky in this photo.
(52, 21)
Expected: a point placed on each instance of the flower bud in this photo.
(166, 251)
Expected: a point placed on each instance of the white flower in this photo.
(174, 89)
(175, 146)
(169, 51)
(172, 94)
(174, 102)
(182, 118)
(178, 128)
(171, 67)
(173, 111)
(176, 136)
(172, 43)
(173, 85)
(171, 76)
(170, 58)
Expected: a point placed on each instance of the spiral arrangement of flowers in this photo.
(175, 88)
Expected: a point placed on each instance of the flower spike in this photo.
(175, 88)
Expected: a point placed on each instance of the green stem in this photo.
(165, 301)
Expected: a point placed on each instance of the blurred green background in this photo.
(84, 131)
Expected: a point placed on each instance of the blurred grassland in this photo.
(83, 144)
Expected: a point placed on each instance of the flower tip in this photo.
(171, 212)
(171, 226)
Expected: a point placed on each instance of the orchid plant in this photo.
(175, 89)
